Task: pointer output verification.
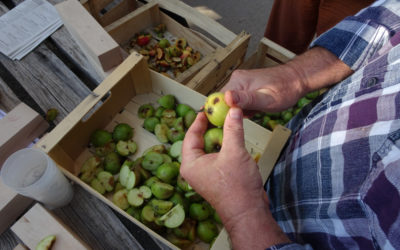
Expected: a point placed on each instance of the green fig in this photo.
(150, 123)
(213, 140)
(207, 231)
(189, 118)
(182, 109)
(167, 101)
(100, 137)
(216, 109)
(112, 163)
(122, 132)
(162, 190)
(146, 110)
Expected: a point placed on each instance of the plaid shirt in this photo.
(337, 182)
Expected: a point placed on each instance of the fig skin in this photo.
(216, 109)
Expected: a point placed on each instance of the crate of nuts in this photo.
(123, 144)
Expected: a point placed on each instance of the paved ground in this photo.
(238, 15)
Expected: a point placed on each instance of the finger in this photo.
(232, 84)
(236, 81)
(193, 144)
(233, 130)
(229, 98)
(249, 100)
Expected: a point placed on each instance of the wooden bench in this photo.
(58, 75)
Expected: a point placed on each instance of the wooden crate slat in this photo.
(18, 129)
(12, 206)
(91, 36)
(38, 223)
(209, 25)
(121, 9)
(125, 27)
(220, 67)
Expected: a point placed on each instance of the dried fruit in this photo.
(143, 40)
(181, 43)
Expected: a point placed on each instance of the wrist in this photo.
(254, 229)
(236, 204)
(318, 68)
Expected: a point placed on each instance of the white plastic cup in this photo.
(31, 172)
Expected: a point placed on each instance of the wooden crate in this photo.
(18, 129)
(108, 11)
(222, 51)
(268, 54)
(124, 90)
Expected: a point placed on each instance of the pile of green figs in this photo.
(149, 187)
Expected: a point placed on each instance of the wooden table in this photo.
(58, 75)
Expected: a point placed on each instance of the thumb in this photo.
(233, 130)
(249, 100)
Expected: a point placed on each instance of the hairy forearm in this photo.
(318, 68)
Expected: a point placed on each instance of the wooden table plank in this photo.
(71, 50)
(49, 82)
(8, 240)
(8, 100)
(68, 46)
(91, 215)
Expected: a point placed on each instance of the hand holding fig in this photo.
(269, 89)
(216, 108)
(225, 178)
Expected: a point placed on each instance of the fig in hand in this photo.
(216, 109)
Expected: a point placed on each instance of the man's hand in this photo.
(270, 89)
(226, 176)
(278, 88)
(230, 181)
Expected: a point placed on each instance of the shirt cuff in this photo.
(289, 246)
(354, 40)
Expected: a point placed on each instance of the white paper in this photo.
(26, 26)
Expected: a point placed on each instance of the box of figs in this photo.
(123, 144)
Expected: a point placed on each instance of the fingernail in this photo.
(235, 113)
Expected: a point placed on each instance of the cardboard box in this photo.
(222, 51)
(117, 100)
